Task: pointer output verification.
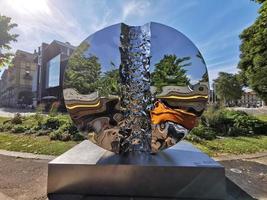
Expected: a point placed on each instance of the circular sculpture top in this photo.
(136, 88)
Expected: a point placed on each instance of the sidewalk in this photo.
(10, 112)
(26, 155)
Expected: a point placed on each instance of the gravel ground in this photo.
(25, 178)
(22, 179)
(250, 175)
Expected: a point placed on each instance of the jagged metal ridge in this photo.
(135, 78)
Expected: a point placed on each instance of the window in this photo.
(53, 72)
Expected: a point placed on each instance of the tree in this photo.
(253, 62)
(228, 88)
(83, 72)
(5, 38)
(170, 71)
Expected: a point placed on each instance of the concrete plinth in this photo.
(178, 172)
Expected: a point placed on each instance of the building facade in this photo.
(51, 60)
(250, 99)
(16, 81)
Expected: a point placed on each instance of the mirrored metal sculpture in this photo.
(136, 88)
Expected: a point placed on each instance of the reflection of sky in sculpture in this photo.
(165, 40)
(104, 44)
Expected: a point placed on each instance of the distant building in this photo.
(16, 81)
(250, 99)
(213, 98)
(51, 61)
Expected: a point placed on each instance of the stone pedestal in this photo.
(178, 172)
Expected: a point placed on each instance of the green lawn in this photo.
(43, 145)
(33, 144)
(234, 145)
(262, 117)
(2, 119)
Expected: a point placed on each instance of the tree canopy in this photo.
(227, 87)
(253, 62)
(170, 71)
(5, 38)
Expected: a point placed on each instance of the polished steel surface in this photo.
(181, 171)
(136, 88)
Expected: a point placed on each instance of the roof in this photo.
(66, 44)
(27, 55)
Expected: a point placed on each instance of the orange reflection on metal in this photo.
(162, 113)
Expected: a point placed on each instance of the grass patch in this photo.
(43, 145)
(2, 119)
(262, 117)
(33, 144)
(234, 145)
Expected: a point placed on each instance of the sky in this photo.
(212, 25)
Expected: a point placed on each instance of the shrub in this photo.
(251, 124)
(217, 120)
(37, 127)
(204, 132)
(193, 138)
(66, 132)
(42, 132)
(39, 118)
(65, 136)
(30, 131)
(78, 137)
(17, 119)
(52, 123)
(54, 136)
(6, 127)
(69, 127)
(2, 128)
(231, 123)
(236, 131)
(18, 129)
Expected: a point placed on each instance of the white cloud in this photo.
(222, 63)
(213, 72)
(43, 20)
(134, 8)
(39, 21)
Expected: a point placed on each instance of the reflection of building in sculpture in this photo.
(16, 81)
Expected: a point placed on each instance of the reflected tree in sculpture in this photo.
(83, 72)
(170, 71)
(136, 88)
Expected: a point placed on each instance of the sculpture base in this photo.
(178, 172)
